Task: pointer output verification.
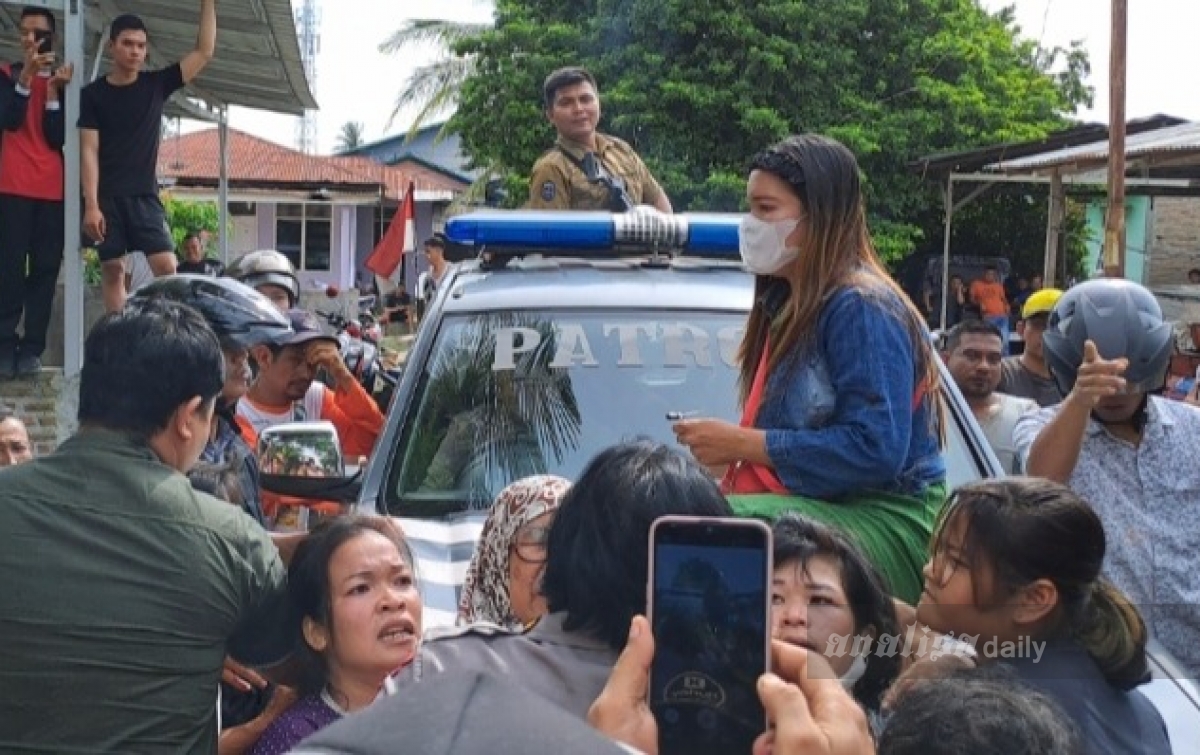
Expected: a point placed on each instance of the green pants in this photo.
(893, 530)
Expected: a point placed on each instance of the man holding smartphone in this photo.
(120, 124)
(31, 192)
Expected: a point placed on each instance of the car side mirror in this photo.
(304, 460)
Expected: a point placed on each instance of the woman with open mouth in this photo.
(353, 584)
(827, 597)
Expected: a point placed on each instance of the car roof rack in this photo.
(502, 235)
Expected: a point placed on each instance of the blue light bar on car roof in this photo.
(640, 231)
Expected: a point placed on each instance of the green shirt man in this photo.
(122, 589)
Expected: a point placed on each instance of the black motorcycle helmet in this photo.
(1123, 319)
(240, 316)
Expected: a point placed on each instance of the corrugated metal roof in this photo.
(427, 146)
(1172, 142)
(936, 166)
(257, 63)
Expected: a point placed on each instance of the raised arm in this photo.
(206, 43)
(54, 125)
(1054, 451)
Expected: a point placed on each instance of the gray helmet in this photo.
(1123, 319)
(239, 315)
(266, 267)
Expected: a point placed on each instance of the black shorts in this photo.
(134, 224)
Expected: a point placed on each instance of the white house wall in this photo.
(345, 232)
(257, 231)
(266, 224)
(243, 235)
(342, 237)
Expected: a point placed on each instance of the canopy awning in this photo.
(1162, 158)
(257, 63)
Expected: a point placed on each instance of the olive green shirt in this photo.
(558, 183)
(120, 589)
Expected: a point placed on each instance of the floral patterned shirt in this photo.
(1148, 497)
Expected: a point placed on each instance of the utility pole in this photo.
(1114, 229)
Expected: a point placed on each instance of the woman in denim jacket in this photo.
(841, 420)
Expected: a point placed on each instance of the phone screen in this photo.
(710, 612)
(44, 42)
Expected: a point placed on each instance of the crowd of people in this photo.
(146, 605)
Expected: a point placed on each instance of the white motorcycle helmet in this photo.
(267, 267)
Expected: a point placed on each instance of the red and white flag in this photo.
(401, 237)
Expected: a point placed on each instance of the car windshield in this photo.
(509, 394)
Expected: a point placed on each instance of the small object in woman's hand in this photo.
(677, 416)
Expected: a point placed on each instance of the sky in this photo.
(355, 82)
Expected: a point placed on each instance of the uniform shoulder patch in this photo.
(478, 629)
(549, 191)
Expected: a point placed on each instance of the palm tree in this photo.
(350, 137)
(432, 88)
(479, 424)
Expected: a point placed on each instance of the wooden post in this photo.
(1054, 218)
(1114, 228)
(948, 219)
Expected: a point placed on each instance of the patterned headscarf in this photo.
(485, 594)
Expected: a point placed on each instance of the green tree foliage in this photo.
(351, 136)
(699, 86)
(1012, 224)
(184, 217)
(432, 88)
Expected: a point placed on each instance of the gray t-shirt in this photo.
(568, 668)
(1017, 380)
(998, 428)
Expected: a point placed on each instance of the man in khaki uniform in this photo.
(559, 181)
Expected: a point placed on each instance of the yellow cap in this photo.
(1040, 302)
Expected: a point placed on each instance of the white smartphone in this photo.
(709, 596)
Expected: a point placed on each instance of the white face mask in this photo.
(764, 244)
(854, 673)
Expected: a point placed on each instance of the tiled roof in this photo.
(194, 158)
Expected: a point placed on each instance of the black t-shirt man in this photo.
(119, 133)
(128, 119)
(207, 266)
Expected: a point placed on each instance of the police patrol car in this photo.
(569, 332)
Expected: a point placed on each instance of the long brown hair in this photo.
(837, 253)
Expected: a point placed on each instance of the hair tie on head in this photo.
(783, 165)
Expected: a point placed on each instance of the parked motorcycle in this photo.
(368, 324)
(358, 341)
(358, 354)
